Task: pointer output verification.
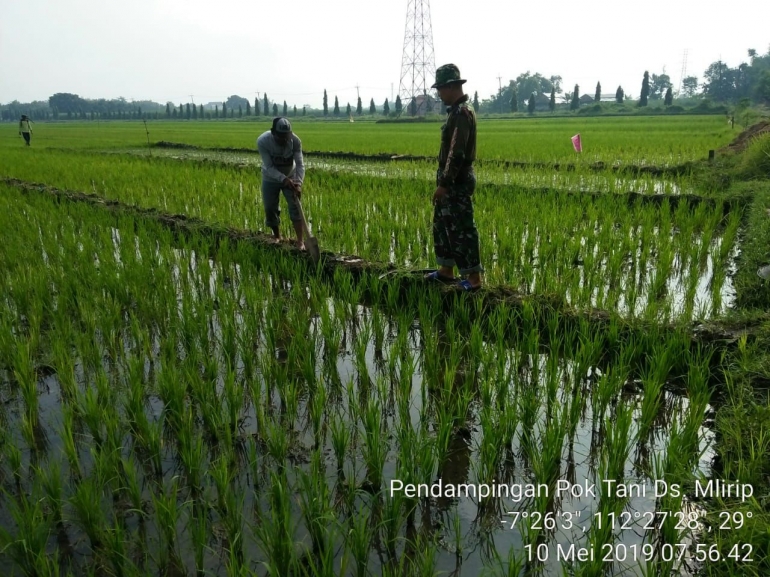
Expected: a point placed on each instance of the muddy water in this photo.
(365, 363)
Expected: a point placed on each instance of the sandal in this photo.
(466, 286)
(440, 277)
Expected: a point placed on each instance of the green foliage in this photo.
(398, 104)
(386, 108)
(275, 109)
(552, 100)
(285, 109)
(598, 93)
(575, 102)
(476, 101)
(326, 104)
(372, 107)
(514, 100)
(645, 93)
(669, 98)
(359, 107)
(755, 162)
(531, 103)
(619, 95)
(265, 105)
(336, 107)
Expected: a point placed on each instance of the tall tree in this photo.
(195, 111)
(669, 98)
(398, 104)
(275, 109)
(619, 95)
(514, 100)
(240, 111)
(265, 105)
(645, 94)
(659, 83)
(531, 103)
(359, 108)
(216, 111)
(248, 108)
(181, 110)
(689, 86)
(476, 101)
(256, 106)
(575, 103)
(285, 109)
(295, 110)
(598, 95)
(386, 108)
(224, 110)
(413, 107)
(326, 104)
(372, 107)
(552, 101)
(336, 111)
(168, 110)
(348, 110)
(189, 112)
(303, 111)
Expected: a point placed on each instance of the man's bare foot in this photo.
(300, 245)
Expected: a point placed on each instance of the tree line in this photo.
(747, 83)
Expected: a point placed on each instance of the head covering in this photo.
(447, 74)
(281, 125)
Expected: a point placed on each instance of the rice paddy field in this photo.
(178, 396)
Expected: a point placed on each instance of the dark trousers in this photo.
(26, 136)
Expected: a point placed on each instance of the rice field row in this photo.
(582, 179)
(629, 140)
(655, 262)
(172, 408)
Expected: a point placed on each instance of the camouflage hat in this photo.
(447, 74)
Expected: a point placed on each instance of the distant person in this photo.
(25, 128)
(283, 170)
(455, 237)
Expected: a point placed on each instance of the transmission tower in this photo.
(418, 65)
(684, 70)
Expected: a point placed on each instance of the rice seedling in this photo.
(28, 547)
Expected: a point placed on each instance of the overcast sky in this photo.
(292, 49)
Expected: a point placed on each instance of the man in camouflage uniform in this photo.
(455, 237)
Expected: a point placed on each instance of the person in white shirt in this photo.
(25, 129)
(283, 170)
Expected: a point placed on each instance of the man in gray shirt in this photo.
(283, 170)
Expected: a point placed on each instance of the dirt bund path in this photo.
(631, 169)
(548, 311)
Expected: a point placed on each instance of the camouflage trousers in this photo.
(455, 237)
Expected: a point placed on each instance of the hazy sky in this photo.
(170, 49)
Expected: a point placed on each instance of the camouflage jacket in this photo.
(458, 143)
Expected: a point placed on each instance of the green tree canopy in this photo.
(575, 102)
(645, 93)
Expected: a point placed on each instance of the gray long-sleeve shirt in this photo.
(279, 162)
